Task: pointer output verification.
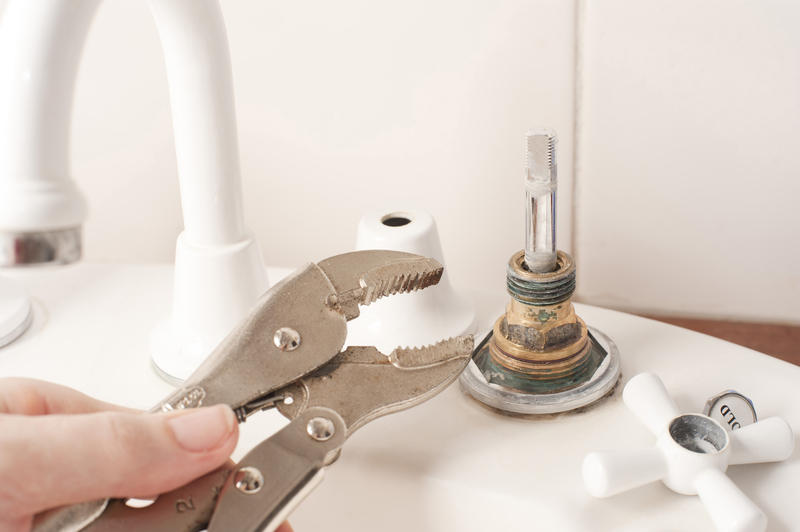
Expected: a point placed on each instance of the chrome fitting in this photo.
(58, 246)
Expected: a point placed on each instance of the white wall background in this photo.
(687, 154)
(689, 167)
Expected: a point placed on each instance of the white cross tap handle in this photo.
(646, 396)
(769, 440)
(607, 473)
(729, 508)
(691, 455)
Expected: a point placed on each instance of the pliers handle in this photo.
(252, 369)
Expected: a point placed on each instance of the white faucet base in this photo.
(15, 311)
(214, 288)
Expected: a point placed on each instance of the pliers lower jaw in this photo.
(288, 353)
(326, 407)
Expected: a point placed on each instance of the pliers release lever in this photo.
(288, 354)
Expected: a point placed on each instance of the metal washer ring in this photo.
(505, 399)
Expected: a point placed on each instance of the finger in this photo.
(47, 461)
(285, 527)
(23, 524)
(30, 397)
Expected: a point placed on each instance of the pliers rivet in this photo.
(248, 480)
(286, 339)
(320, 428)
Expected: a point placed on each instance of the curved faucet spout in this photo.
(40, 49)
(219, 272)
(195, 47)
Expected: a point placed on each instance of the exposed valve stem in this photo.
(540, 194)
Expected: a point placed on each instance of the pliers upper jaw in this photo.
(361, 277)
(248, 369)
(356, 278)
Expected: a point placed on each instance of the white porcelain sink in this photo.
(449, 464)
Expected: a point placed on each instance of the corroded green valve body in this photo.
(540, 345)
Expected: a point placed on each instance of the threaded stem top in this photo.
(540, 289)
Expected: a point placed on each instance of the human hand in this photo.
(58, 446)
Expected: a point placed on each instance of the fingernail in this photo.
(203, 429)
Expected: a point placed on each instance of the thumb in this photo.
(48, 461)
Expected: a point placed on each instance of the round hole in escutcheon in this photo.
(396, 219)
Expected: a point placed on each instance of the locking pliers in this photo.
(288, 354)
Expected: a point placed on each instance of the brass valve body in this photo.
(540, 358)
(540, 345)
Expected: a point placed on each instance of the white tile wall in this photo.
(688, 140)
(342, 106)
(689, 167)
